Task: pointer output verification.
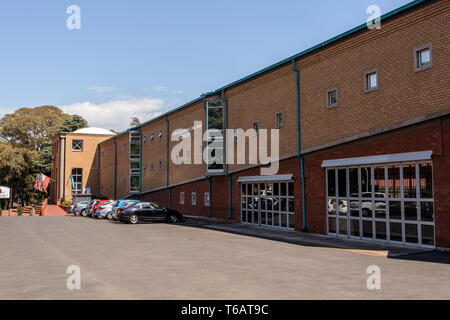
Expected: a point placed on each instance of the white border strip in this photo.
(385, 158)
(279, 177)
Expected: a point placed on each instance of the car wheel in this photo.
(83, 213)
(109, 216)
(173, 218)
(99, 216)
(134, 219)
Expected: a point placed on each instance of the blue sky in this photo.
(142, 57)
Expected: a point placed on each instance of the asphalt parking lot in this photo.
(182, 261)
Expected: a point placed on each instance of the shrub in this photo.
(66, 203)
(20, 211)
(1, 211)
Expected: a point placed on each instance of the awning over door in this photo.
(278, 177)
(385, 158)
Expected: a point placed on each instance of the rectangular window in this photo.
(214, 142)
(279, 119)
(255, 127)
(160, 134)
(77, 181)
(77, 145)
(181, 197)
(206, 199)
(194, 198)
(423, 57)
(332, 97)
(134, 183)
(371, 80)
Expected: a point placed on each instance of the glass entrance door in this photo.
(392, 203)
(268, 204)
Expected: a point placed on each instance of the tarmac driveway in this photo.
(182, 261)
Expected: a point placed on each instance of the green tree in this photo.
(72, 123)
(26, 146)
(31, 128)
(134, 122)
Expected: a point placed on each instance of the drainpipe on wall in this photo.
(62, 167)
(115, 168)
(297, 81)
(167, 160)
(210, 197)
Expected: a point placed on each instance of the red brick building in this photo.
(364, 130)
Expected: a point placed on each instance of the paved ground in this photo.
(54, 210)
(161, 261)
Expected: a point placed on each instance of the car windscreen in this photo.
(129, 204)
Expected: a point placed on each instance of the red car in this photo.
(93, 207)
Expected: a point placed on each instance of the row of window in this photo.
(194, 198)
(279, 122)
(423, 59)
(152, 167)
(152, 136)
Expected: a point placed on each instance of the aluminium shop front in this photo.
(387, 198)
(268, 201)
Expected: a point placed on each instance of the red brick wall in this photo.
(433, 135)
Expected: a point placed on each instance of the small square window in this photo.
(332, 97)
(279, 119)
(423, 57)
(152, 136)
(371, 80)
(160, 133)
(206, 199)
(77, 145)
(181, 197)
(255, 127)
(145, 138)
(194, 198)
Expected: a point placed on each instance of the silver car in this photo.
(80, 207)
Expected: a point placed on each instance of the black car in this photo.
(148, 211)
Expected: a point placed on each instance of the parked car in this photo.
(122, 204)
(90, 208)
(148, 211)
(79, 207)
(98, 204)
(70, 208)
(105, 210)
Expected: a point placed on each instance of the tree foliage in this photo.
(26, 146)
(72, 123)
(134, 122)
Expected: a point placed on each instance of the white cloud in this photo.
(102, 89)
(166, 89)
(116, 114)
